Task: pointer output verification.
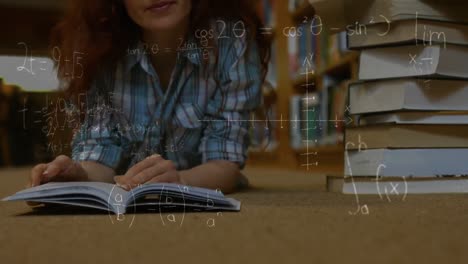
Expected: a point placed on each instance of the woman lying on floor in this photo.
(162, 78)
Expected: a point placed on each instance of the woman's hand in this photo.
(61, 169)
(151, 170)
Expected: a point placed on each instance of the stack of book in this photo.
(410, 103)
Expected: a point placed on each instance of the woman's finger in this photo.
(37, 175)
(60, 164)
(150, 173)
(43, 173)
(142, 165)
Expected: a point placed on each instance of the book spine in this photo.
(311, 105)
(295, 124)
(293, 56)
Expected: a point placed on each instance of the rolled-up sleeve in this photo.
(98, 139)
(226, 136)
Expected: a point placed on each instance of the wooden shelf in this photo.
(265, 158)
(330, 158)
(269, 96)
(271, 34)
(328, 149)
(305, 81)
(271, 150)
(339, 65)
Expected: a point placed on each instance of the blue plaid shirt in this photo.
(195, 120)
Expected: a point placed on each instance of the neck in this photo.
(167, 38)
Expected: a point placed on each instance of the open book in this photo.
(112, 198)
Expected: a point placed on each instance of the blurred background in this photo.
(307, 83)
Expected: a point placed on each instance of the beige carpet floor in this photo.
(286, 217)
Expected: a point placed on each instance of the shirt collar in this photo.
(192, 51)
(138, 55)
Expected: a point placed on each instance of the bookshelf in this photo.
(330, 157)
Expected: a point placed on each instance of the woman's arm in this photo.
(217, 174)
(97, 148)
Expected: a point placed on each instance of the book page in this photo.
(56, 189)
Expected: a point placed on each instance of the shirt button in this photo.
(157, 122)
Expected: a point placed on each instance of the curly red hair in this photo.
(103, 31)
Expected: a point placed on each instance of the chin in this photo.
(164, 23)
(166, 16)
